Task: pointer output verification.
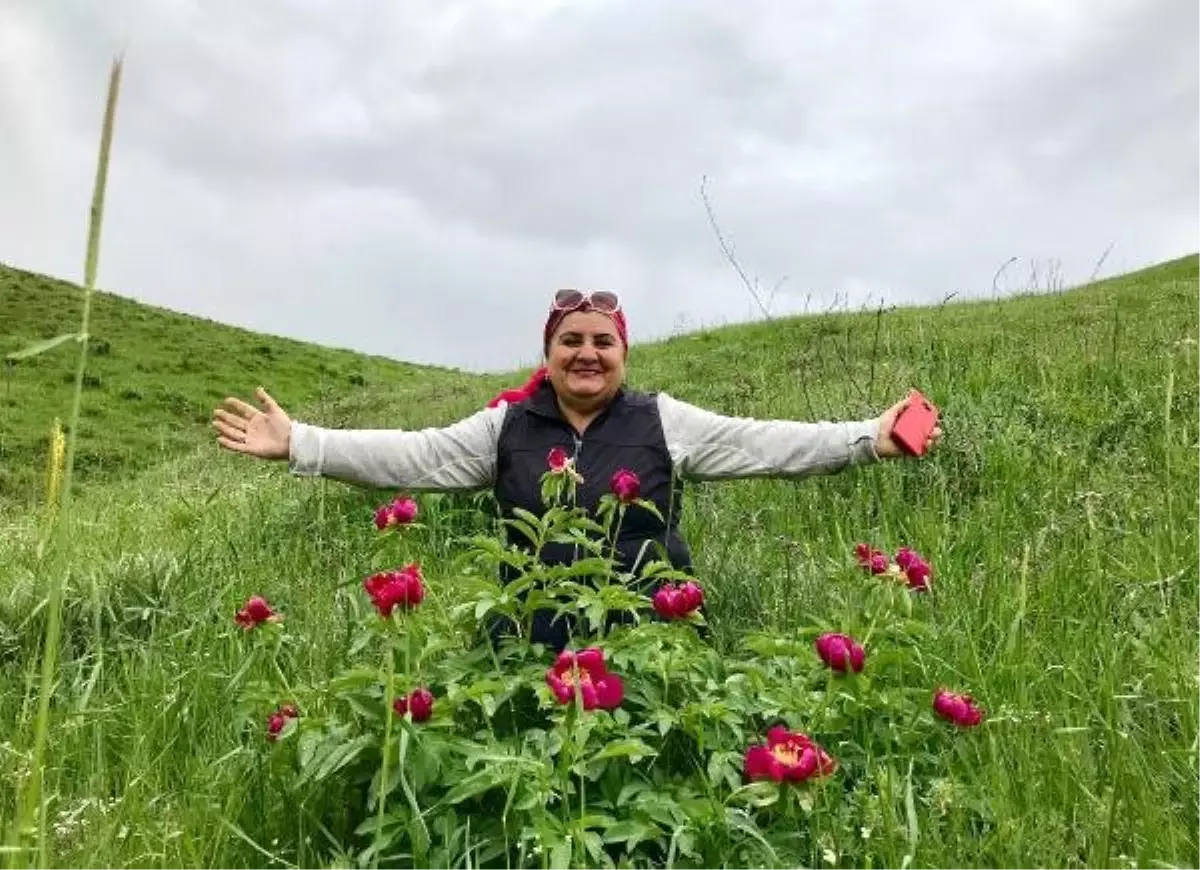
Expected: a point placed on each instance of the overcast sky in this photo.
(414, 179)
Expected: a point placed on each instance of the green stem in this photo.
(32, 805)
(408, 656)
(616, 536)
(389, 699)
(282, 677)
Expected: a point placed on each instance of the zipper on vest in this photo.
(578, 448)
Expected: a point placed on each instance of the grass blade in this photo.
(32, 809)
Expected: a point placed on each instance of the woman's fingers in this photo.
(230, 444)
(241, 408)
(228, 419)
(266, 401)
(230, 431)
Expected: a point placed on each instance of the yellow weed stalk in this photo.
(55, 460)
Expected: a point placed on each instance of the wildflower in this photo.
(597, 687)
(275, 724)
(278, 720)
(418, 702)
(789, 756)
(957, 708)
(557, 459)
(915, 569)
(840, 652)
(400, 512)
(389, 588)
(874, 560)
(625, 485)
(560, 464)
(255, 612)
(678, 602)
(907, 564)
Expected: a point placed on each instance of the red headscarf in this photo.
(512, 396)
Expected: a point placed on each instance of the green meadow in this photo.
(1059, 515)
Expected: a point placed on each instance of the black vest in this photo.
(627, 434)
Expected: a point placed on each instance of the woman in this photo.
(577, 401)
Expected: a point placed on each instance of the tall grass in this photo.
(32, 810)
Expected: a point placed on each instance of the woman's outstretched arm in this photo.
(458, 457)
(709, 446)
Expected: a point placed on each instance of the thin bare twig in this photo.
(727, 250)
(1100, 262)
(1000, 271)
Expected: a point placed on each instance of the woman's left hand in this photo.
(886, 446)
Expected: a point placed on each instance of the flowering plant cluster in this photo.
(388, 589)
(639, 743)
(401, 512)
(907, 566)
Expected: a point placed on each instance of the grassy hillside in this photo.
(1060, 516)
(153, 377)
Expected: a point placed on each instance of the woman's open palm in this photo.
(242, 428)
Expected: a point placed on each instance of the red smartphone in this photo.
(915, 423)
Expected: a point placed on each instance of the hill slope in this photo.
(153, 377)
(1059, 514)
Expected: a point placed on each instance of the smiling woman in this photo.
(576, 409)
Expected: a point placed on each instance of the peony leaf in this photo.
(758, 794)
(634, 750)
(631, 832)
(561, 854)
(335, 759)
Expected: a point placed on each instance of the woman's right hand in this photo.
(243, 428)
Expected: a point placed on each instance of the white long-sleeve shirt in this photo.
(462, 456)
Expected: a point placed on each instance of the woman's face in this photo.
(586, 359)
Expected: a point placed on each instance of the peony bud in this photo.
(957, 708)
(557, 459)
(420, 704)
(255, 612)
(625, 485)
(840, 652)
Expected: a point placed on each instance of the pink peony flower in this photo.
(840, 652)
(908, 564)
(917, 570)
(678, 602)
(419, 702)
(255, 612)
(597, 687)
(560, 463)
(625, 485)
(789, 756)
(557, 459)
(873, 560)
(278, 720)
(957, 708)
(400, 512)
(391, 588)
(275, 724)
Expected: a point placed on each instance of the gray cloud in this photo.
(414, 179)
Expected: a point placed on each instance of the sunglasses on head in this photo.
(600, 300)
